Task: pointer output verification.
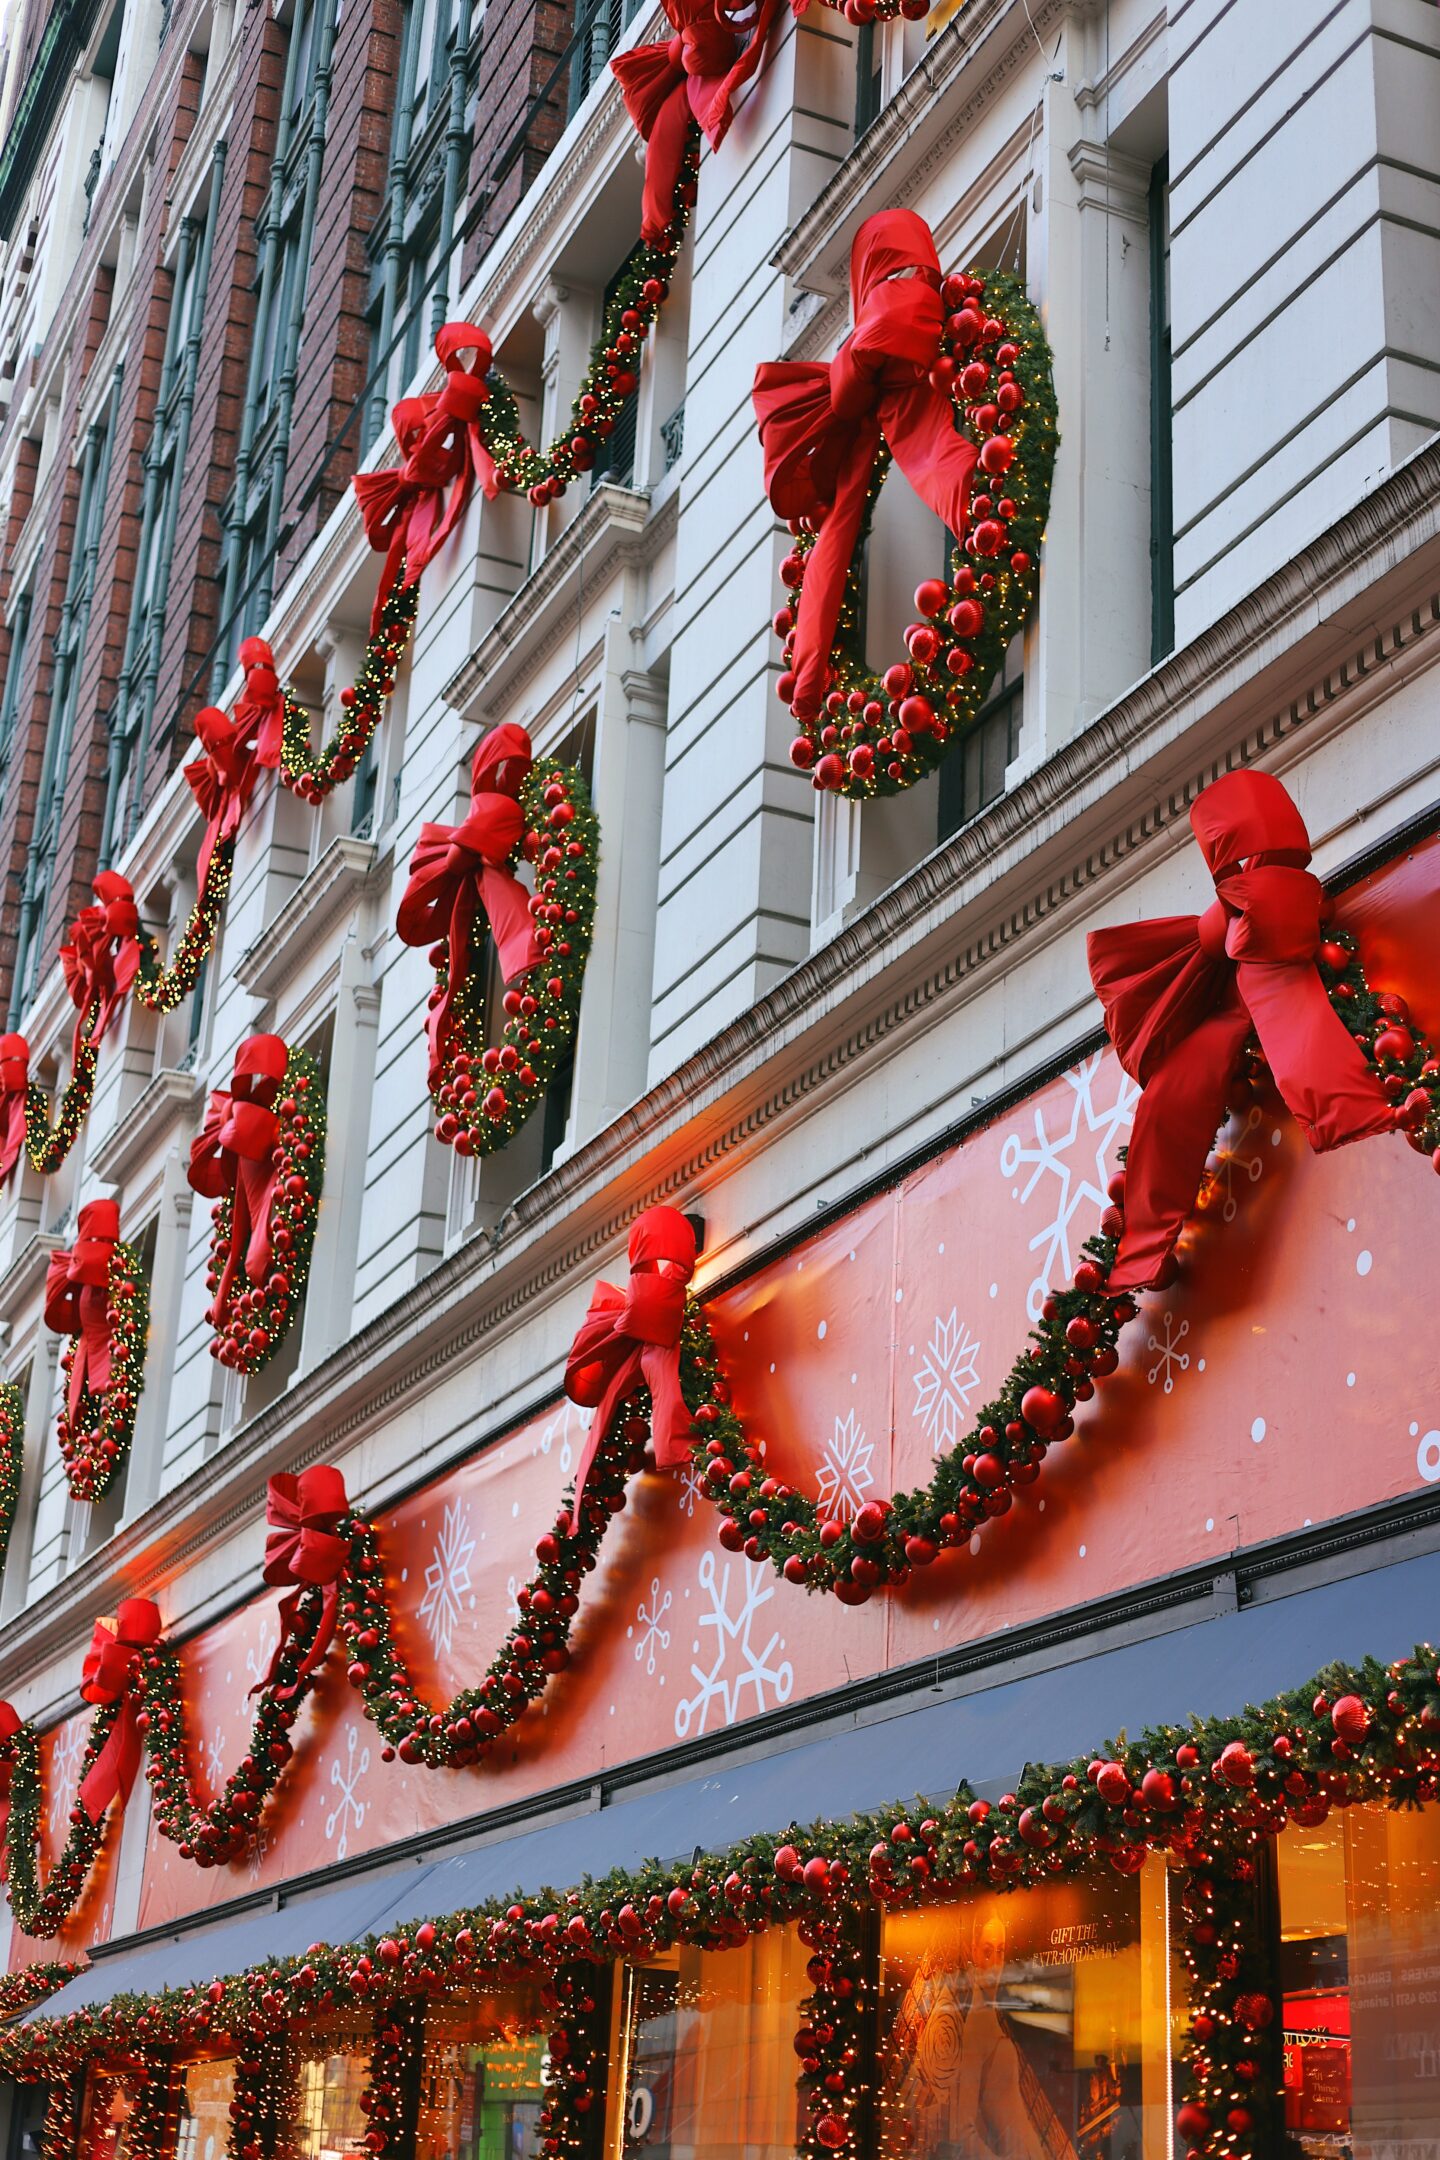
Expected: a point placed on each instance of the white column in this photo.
(330, 1292)
(167, 1281)
(39, 1404)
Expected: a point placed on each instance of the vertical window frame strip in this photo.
(14, 669)
(1162, 488)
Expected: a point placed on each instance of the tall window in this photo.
(64, 695)
(1162, 490)
(164, 468)
(972, 774)
(869, 66)
(601, 25)
(615, 457)
(285, 232)
(10, 696)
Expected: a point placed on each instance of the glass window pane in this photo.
(706, 2044)
(206, 2092)
(330, 2123)
(1038, 2026)
(1360, 1973)
(481, 2087)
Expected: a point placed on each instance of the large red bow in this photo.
(14, 1086)
(222, 781)
(260, 712)
(234, 1153)
(1183, 994)
(111, 1662)
(303, 1547)
(631, 1338)
(10, 1723)
(694, 74)
(458, 870)
(404, 507)
(821, 426)
(102, 957)
(77, 1297)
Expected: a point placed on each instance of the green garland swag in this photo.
(562, 840)
(163, 989)
(44, 1912)
(259, 1316)
(12, 1459)
(1208, 1793)
(95, 1446)
(31, 1984)
(48, 1145)
(313, 774)
(877, 735)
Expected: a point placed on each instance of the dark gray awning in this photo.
(983, 1737)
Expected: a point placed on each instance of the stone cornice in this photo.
(162, 1104)
(333, 882)
(615, 529)
(27, 1271)
(918, 132)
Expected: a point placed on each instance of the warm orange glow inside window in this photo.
(1360, 1970)
(206, 2090)
(481, 2084)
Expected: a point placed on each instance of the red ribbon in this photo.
(102, 957)
(457, 871)
(234, 1153)
(260, 713)
(821, 426)
(77, 1296)
(406, 511)
(631, 1338)
(111, 1664)
(693, 75)
(302, 1548)
(1182, 995)
(10, 1723)
(14, 1082)
(222, 781)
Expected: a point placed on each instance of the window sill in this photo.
(337, 878)
(163, 1103)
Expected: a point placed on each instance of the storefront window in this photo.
(1360, 1975)
(109, 2104)
(703, 2060)
(481, 2086)
(205, 2094)
(1040, 2025)
(330, 2123)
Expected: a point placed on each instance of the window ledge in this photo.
(163, 1103)
(614, 530)
(338, 876)
(27, 1271)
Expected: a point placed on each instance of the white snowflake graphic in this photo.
(689, 1487)
(258, 1851)
(845, 1474)
(567, 1425)
(1074, 1187)
(215, 1762)
(648, 1619)
(723, 1684)
(512, 1597)
(1170, 1360)
(447, 1576)
(65, 1759)
(349, 1811)
(1234, 1165)
(948, 1376)
(259, 1654)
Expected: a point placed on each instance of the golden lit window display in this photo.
(482, 2075)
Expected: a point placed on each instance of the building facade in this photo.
(857, 1044)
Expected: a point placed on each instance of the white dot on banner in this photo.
(1350, 1225)
(1200, 1364)
(1414, 1427)
(1349, 1379)
(823, 1329)
(1257, 1430)
(941, 1246)
(994, 1289)
(1275, 1137)
(1364, 1261)
(1209, 1522)
(899, 1294)
(1082, 1552)
(975, 1542)
(1427, 1457)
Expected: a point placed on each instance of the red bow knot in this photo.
(692, 75)
(14, 1086)
(260, 712)
(404, 508)
(304, 1547)
(234, 1153)
(1182, 995)
(631, 1338)
(77, 1298)
(821, 426)
(102, 957)
(460, 871)
(222, 781)
(108, 1676)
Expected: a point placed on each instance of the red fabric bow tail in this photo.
(1184, 994)
(821, 427)
(401, 504)
(14, 1086)
(303, 1546)
(77, 1298)
(111, 1663)
(234, 1154)
(222, 781)
(718, 113)
(632, 1338)
(260, 714)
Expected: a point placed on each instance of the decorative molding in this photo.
(1314, 648)
(26, 1273)
(613, 531)
(1106, 179)
(335, 880)
(162, 1104)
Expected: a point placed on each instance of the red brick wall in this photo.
(523, 41)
